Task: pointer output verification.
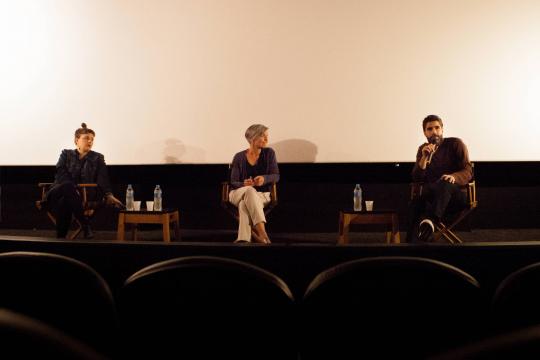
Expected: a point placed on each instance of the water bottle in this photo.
(157, 198)
(357, 198)
(130, 196)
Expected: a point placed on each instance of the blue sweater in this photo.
(266, 166)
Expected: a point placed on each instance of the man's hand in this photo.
(111, 200)
(448, 178)
(249, 182)
(428, 149)
(259, 180)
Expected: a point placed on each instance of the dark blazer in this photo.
(91, 169)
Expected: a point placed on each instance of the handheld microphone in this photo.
(433, 141)
(430, 156)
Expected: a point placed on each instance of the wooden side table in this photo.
(166, 217)
(385, 217)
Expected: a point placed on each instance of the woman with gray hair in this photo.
(252, 173)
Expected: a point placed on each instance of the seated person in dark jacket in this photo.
(252, 172)
(78, 166)
(443, 165)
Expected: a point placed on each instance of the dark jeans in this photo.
(65, 202)
(433, 204)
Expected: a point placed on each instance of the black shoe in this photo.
(425, 230)
(88, 233)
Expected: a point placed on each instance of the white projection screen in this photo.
(179, 81)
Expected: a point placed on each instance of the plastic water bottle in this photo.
(158, 195)
(357, 198)
(130, 197)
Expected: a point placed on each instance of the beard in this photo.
(435, 139)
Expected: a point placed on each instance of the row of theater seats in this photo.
(209, 307)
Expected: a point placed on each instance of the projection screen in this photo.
(165, 81)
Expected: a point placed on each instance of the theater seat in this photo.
(389, 308)
(517, 298)
(23, 337)
(519, 344)
(62, 292)
(207, 308)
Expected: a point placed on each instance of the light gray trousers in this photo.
(250, 204)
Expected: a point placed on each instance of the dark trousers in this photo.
(436, 198)
(65, 202)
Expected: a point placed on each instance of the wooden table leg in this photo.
(344, 222)
(166, 229)
(120, 231)
(395, 229)
(176, 221)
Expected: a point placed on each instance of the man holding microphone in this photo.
(442, 165)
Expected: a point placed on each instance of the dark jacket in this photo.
(91, 169)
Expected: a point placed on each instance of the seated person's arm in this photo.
(273, 169)
(104, 184)
(236, 181)
(419, 169)
(464, 175)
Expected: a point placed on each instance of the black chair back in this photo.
(517, 298)
(207, 307)
(62, 292)
(23, 337)
(392, 307)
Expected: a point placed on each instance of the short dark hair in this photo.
(431, 118)
(83, 130)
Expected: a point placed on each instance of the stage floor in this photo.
(193, 235)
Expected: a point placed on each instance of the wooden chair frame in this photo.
(233, 210)
(443, 230)
(88, 206)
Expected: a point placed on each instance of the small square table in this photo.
(385, 217)
(166, 217)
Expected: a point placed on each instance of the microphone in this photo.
(430, 156)
(433, 141)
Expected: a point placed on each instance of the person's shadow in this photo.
(176, 152)
(295, 150)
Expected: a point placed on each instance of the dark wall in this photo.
(310, 195)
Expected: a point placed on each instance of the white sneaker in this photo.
(425, 229)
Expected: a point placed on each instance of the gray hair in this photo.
(254, 131)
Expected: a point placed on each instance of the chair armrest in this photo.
(225, 188)
(470, 188)
(47, 184)
(471, 194)
(87, 185)
(273, 195)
